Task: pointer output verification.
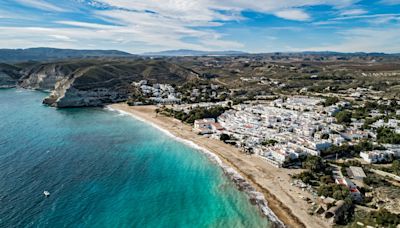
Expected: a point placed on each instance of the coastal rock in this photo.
(6, 81)
(9, 75)
(106, 82)
(46, 76)
(73, 97)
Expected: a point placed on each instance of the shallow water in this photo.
(104, 169)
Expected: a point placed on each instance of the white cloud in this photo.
(353, 12)
(148, 25)
(206, 10)
(86, 25)
(41, 4)
(174, 22)
(293, 14)
(61, 37)
(366, 40)
(155, 29)
(132, 31)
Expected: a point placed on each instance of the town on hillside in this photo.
(346, 146)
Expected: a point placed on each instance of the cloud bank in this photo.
(149, 25)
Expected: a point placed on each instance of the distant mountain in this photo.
(185, 52)
(44, 54)
(333, 53)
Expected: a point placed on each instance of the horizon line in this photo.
(197, 50)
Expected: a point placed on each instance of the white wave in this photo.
(213, 157)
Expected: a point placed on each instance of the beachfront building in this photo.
(158, 93)
(297, 130)
(186, 108)
(203, 126)
(207, 126)
(170, 99)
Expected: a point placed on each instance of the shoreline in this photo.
(249, 174)
(255, 197)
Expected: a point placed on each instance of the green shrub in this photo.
(343, 117)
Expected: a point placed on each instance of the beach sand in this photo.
(283, 199)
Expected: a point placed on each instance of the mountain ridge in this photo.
(188, 52)
(46, 54)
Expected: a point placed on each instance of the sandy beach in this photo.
(283, 199)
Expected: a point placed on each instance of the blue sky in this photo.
(140, 26)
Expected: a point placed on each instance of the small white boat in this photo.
(46, 193)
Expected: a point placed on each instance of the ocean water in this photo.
(104, 169)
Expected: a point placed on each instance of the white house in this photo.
(376, 156)
(204, 126)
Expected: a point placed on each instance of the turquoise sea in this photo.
(104, 169)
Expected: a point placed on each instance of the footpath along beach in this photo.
(283, 199)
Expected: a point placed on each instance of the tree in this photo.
(326, 179)
(325, 136)
(341, 194)
(387, 135)
(330, 101)
(224, 137)
(396, 167)
(305, 176)
(364, 146)
(343, 117)
(314, 163)
(370, 105)
(197, 113)
(269, 142)
(336, 191)
(385, 218)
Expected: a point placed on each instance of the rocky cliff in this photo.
(45, 76)
(91, 82)
(9, 75)
(101, 82)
